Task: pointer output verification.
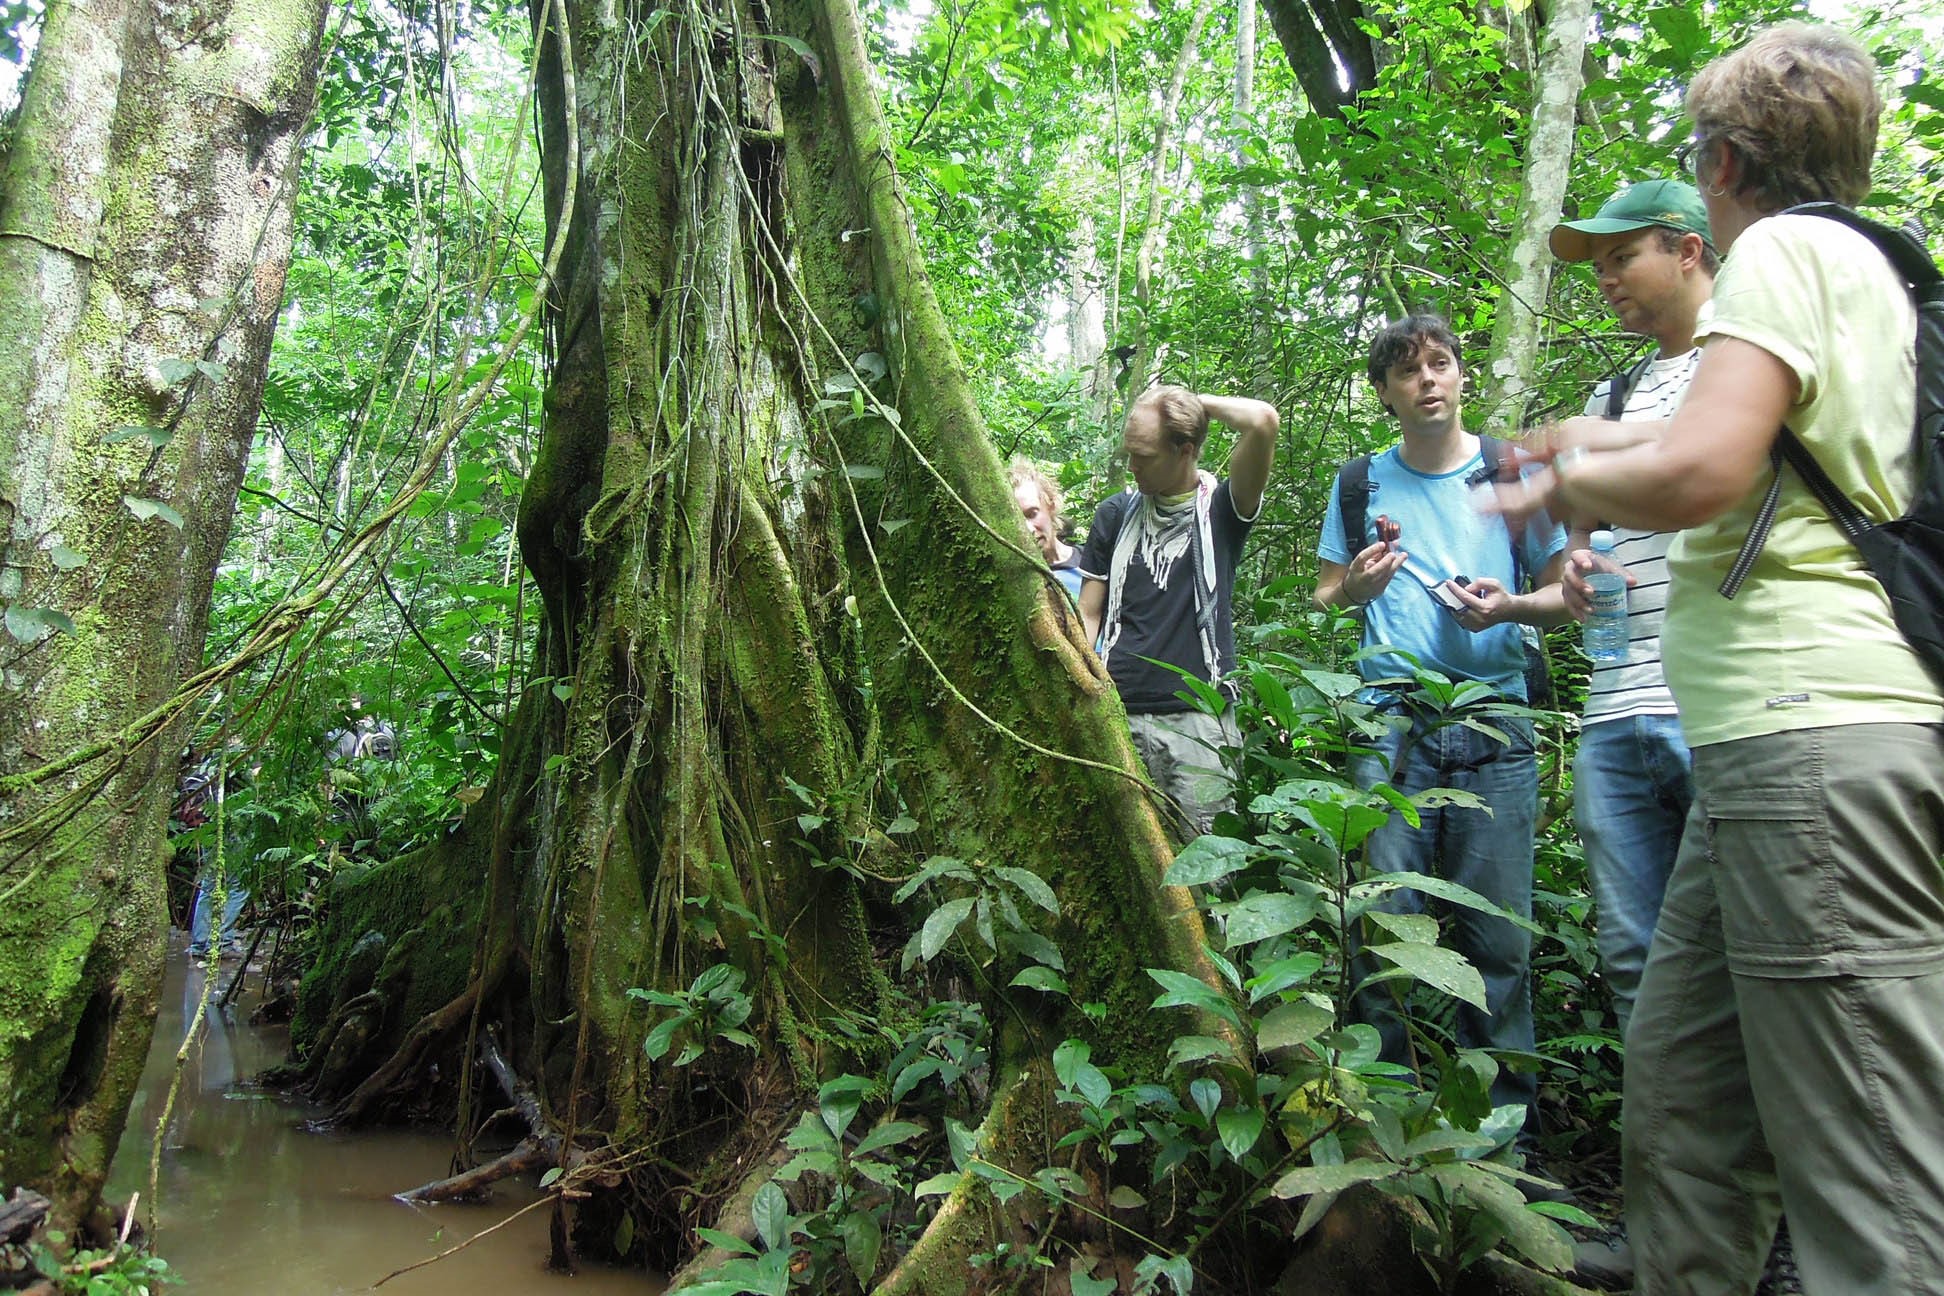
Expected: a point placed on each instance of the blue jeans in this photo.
(199, 920)
(1632, 785)
(1490, 853)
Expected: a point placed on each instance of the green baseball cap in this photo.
(1652, 202)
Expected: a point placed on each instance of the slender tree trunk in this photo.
(145, 227)
(1549, 160)
(1153, 231)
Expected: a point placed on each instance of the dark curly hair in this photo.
(1402, 339)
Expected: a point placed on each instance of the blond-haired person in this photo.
(1041, 508)
(1787, 1049)
(1159, 564)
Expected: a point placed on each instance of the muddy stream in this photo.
(252, 1202)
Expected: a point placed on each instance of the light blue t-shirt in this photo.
(1445, 535)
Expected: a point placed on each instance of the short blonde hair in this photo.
(1024, 472)
(1799, 105)
(1180, 414)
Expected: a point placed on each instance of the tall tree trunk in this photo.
(785, 622)
(1549, 160)
(145, 227)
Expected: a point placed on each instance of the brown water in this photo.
(253, 1203)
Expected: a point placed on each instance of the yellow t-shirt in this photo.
(1809, 641)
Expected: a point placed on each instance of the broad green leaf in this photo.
(175, 372)
(940, 925)
(838, 1101)
(1440, 968)
(1449, 892)
(1291, 1024)
(1206, 1095)
(1282, 974)
(1534, 1236)
(661, 1037)
(795, 46)
(1422, 928)
(1125, 1198)
(155, 437)
(1184, 991)
(1334, 685)
(1068, 1057)
(1093, 1084)
(908, 1079)
(771, 1212)
(1086, 1285)
(1041, 978)
(67, 559)
(727, 1241)
(863, 1240)
(1462, 1142)
(1304, 1180)
(30, 625)
(1032, 886)
(1186, 1050)
(938, 1185)
(1038, 948)
(1239, 1127)
(148, 508)
(889, 1134)
(1265, 914)
(863, 472)
(1207, 859)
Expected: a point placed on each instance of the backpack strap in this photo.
(1492, 451)
(1353, 501)
(1622, 384)
(1914, 266)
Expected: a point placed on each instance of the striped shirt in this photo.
(1636, 687)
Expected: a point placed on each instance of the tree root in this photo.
(390, 1078)
(737, 1218)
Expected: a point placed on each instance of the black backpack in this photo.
(1353, 500)
(1906, 555)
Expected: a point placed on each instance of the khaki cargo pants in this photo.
(1182, 752)
(1787, 1050)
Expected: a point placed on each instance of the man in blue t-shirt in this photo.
(1159, 569)
(1440, 581)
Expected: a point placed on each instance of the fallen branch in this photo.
(22, 1215)
(539, 1150)
(455, 1250)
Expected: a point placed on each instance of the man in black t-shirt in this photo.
(1159, 566)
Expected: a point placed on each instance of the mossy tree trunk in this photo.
(145, 226)
(769, 604)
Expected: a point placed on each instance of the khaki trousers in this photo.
(1183, 754)
(1787, 1050)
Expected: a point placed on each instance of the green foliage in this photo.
(119, 1270)
(714, 1007)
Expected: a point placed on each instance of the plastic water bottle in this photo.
(1605, 632)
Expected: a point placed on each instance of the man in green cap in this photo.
(1655, 262)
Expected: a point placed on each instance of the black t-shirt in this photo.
(1160, 623)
